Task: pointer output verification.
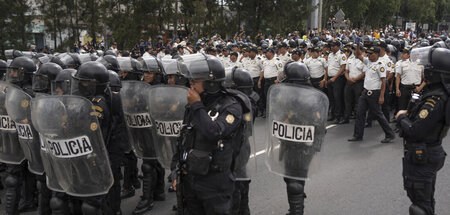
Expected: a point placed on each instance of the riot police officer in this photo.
(20, 73)
(291, 156)
(241, 80)
(423, 126)
(212, 126)
(42, 80)
(91, 81)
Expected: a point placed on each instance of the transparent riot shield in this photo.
(295, 128)
(134, 95)
(71, 134)
(167, 106)
(18, 107)
(10, 150)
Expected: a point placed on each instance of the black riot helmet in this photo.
(296, 72)
(91, 79)
(110, 62)
(240, 79)
(61, 84)
(435, 40)
(201, 67)
(20, 71)
(153, 70)
(110, 52)
(172, 74)
(44, 76)
(114, 81)
(436, 63)
(12, 53)
(56, 60)
(3, 67)
(70, 60)
(128, 69)
(424, 43)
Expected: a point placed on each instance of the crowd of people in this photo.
(364, 75)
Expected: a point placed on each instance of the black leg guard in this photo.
(244, 208)
(44, 196)
(159, 194)
(12, 184)
(58, 204)
(148, 182)
(236, 202)
(29, 194)
(91, 209)
(115, 156)
(296, 196)
(416, 210)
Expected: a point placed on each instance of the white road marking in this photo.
(264, 151)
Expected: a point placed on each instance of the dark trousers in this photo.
(130, 173)
(385, 107)
(115, 157)
(240, 198)
(352, 92)
(210, 194)
(336, 96)
(370, 102)
(405, 91)
(267, 83)
(260, 92)
(315, 82)
(419, 180)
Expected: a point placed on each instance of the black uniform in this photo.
(423, 131)
(209, 182)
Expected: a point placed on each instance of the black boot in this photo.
(45, 195)
(146, 202)
(12, 195)
(296, 196)
(244, 208)
(127, 192)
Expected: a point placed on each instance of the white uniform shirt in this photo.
(374, 72)
(284, 58)
(253, 66)
(316, 66)
(354, 66)
(272, 67)
(335, 61)
(410, 72)
(387, 63)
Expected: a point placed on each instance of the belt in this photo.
(317, 79)
(271, 79)
(429, 147)
(370, 92)
(408, 86)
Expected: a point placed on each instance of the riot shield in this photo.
(71, 134)
(167, 106)
(10, 149)
(134, 95)
(18, 107)
(295, 127)
(245, 163)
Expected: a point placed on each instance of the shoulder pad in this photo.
(277, 58)
(241, 98)
(259, 58)
(380, 62)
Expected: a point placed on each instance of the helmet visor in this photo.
(14, 75)
(61, 87)
(40, 83)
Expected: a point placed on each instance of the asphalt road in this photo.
(362, 178)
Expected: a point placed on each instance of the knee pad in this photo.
(416, 210)
(89, 209)
(146, 168)
(57, 203)
(295, 187)
(11, 181)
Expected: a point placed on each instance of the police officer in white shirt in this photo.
(355, 76)
(253, 64)
(233, 62)
(284, 56)
(336, 81)
(317, 67)
(373, 95)
(409, 77)
(272, 67)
